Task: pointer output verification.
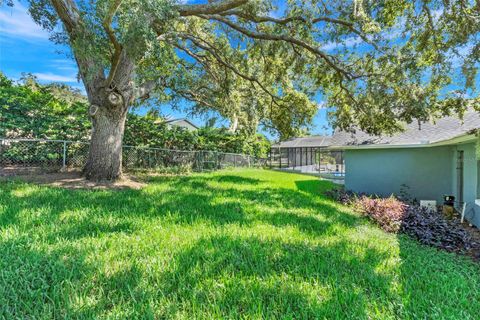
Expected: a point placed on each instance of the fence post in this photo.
(280, 158)
(64, 155)
(198, 154)
(270, 157)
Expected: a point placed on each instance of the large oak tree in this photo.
(377, 63)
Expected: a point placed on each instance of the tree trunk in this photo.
(105, 153)
(233, 124)
(110, 100)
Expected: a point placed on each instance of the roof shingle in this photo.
(312, 141)
(426, 133)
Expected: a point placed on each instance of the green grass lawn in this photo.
(232, 244)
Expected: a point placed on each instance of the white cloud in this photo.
(63, 64)
(457, 59)
(392, 34)
(436, 14)
(322, 105)
(16, 22)
(55, 77)
(348, 42)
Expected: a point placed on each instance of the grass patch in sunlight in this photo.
(230, 244)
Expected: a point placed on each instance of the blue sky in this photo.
(25, 47)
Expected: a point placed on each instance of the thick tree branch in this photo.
(349, 94)
(107, 25)
(92, 74)
(195, 96)
(333, 20)
(260, 19)
(209, 48)
(204, 60)
(284, 21)
(210, 8)
(68, 12)
(143, 91)
(279, 37)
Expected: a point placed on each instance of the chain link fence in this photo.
(23, 156)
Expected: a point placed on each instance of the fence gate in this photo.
(207, 160)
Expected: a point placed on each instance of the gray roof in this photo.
(173, 121)
(414, 134)
(312, 141)
(426, 133)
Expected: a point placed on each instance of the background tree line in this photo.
(56, 111)
(374, 64)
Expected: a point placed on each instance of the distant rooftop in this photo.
(180, 120)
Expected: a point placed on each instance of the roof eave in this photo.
(182, 119)
(465, 138)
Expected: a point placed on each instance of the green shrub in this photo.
(31, 110)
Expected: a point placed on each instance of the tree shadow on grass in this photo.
(185, 200)
(120, 209)
(314, 186)
(235, 179)
(37, 284)
(221, 276)
(78, 214)
(223, 178)
(274, 279)
(119, 293)
(53, 214)
(61, 284)
(309, 212)
(92, 228)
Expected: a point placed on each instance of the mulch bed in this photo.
(474, 233)
(431, 228)
(68, 179)
(13, 171)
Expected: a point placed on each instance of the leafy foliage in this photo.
(31, 110)
(433, 229)
(393, 215)
(388, 213)
(145, 131)
(375, 63)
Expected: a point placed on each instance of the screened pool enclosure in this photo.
(308, 155)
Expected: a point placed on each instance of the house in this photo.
(182, 123)
(427, 160)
